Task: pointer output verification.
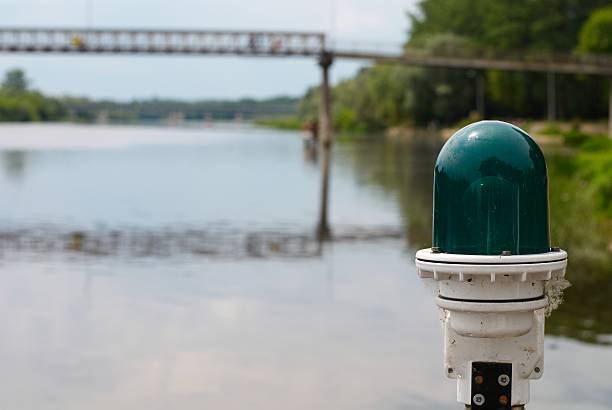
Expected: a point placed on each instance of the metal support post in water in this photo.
(480, 94)
(551, 96)
(325, 61)
(610, 107)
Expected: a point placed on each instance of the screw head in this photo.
(503, 380)
(478, 399)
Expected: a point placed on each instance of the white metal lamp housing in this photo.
(492, 262)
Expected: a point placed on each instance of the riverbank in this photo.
(281, 123)
(544, 132)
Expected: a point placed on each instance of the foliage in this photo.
(384, 96)
(596, 167)
(531, 27)
(596, 34)
(15, 82)
(308, 106)
(505, 24)
(375, 98)
(388, 95)
(19, 103)
(575, 137)
(284, 123)
(581, 201)
(84, 109)
(590, 170)
(551, 129)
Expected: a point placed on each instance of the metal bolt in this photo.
(503, 380)
(506, 253)
(537, 370)
(555, 249)
(435, 249)
(478, 399)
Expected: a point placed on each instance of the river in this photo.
(148, 267)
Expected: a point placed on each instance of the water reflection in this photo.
(311, 152)
(221, 335)
(587, 311)
(405, 170)
(221, 241)
(14, 163)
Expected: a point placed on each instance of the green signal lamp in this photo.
(491, 262)
(491, 192)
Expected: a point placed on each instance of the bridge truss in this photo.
(116, 41)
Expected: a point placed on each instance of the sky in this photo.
(367, 23)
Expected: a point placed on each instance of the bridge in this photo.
(274, 44)
(115, 41)
(73, 41)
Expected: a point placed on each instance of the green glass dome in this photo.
(491, 192)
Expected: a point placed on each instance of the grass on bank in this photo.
(283, 123)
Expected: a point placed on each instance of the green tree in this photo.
(499, 27)
(505, 24)
(443, 95)
(18, 103)
(390, 95)
(596, 34)
(384, 96)
(15, 82)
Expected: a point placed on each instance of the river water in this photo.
(163, 267)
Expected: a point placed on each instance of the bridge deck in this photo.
(566, 64)
(117, 41)
(271, 44)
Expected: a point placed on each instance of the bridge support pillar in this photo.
(551, 96)
(480, 94)
(610, 107)
(325, 138)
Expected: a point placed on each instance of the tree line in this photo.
(84, 109)
(20, 103)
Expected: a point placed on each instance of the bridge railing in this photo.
(158, 41)
(482, 59)
(366, 46)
